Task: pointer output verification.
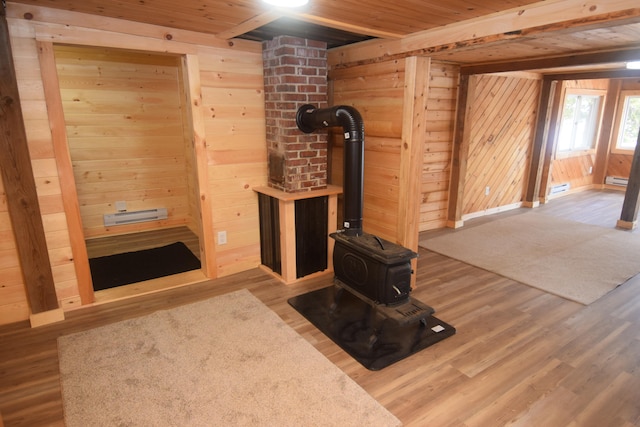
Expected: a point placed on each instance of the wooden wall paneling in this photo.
(20, 189)
(201, 207)
(618, 165)
(237, 66)
(84, 284)
(573, 170)
(125, 127)
(502, 121)
(377, 92)
(436, 169)
(416, 86)
(14, 304)
(234, 123)
(460, 151)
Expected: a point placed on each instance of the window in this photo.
(579, 122)
(629, 122)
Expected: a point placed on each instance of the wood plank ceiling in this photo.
(344, 22)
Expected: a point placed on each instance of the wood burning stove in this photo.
(376, 321)
(374, 268)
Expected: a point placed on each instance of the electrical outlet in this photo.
(487, 190)
(121, 206)
(222, 237)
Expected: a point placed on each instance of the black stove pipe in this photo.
(309, 119)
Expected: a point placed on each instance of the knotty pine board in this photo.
(232, 87)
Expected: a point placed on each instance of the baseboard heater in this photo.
(614, 180)
(122, 218)
(560, 188)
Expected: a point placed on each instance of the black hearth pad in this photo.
(131, 267)
(352, 324)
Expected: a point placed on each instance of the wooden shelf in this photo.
(330, 190)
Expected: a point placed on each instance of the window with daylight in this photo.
(579, 122)
(628, 120)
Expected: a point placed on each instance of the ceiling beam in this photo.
(345, 26)
(591, 58)
(249, 25)
(589, 75)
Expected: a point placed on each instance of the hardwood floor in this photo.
(520, 356)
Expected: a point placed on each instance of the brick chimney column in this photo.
(295, 73)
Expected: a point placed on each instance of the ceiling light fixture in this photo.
(286, 3)
(634, 65)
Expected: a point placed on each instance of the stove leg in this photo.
(336, 300)
(377, 327)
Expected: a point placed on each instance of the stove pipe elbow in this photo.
(310, 119)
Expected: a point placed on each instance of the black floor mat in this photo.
(131, 267)
(352, 324)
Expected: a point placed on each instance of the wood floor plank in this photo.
(521, 357)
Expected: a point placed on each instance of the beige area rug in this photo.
(226, 361)
(576, 261)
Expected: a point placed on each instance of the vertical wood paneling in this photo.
(502, 123)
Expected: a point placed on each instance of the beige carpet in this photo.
(227, 361)
(576, 261)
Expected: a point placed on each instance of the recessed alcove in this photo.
(129, 138)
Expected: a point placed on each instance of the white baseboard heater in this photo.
(559, 188)
(614, 180)
(121, 218)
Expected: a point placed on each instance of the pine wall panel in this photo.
(436, 169)
(377, 92)
(230, 122)
(124, 118)
(233, 104)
